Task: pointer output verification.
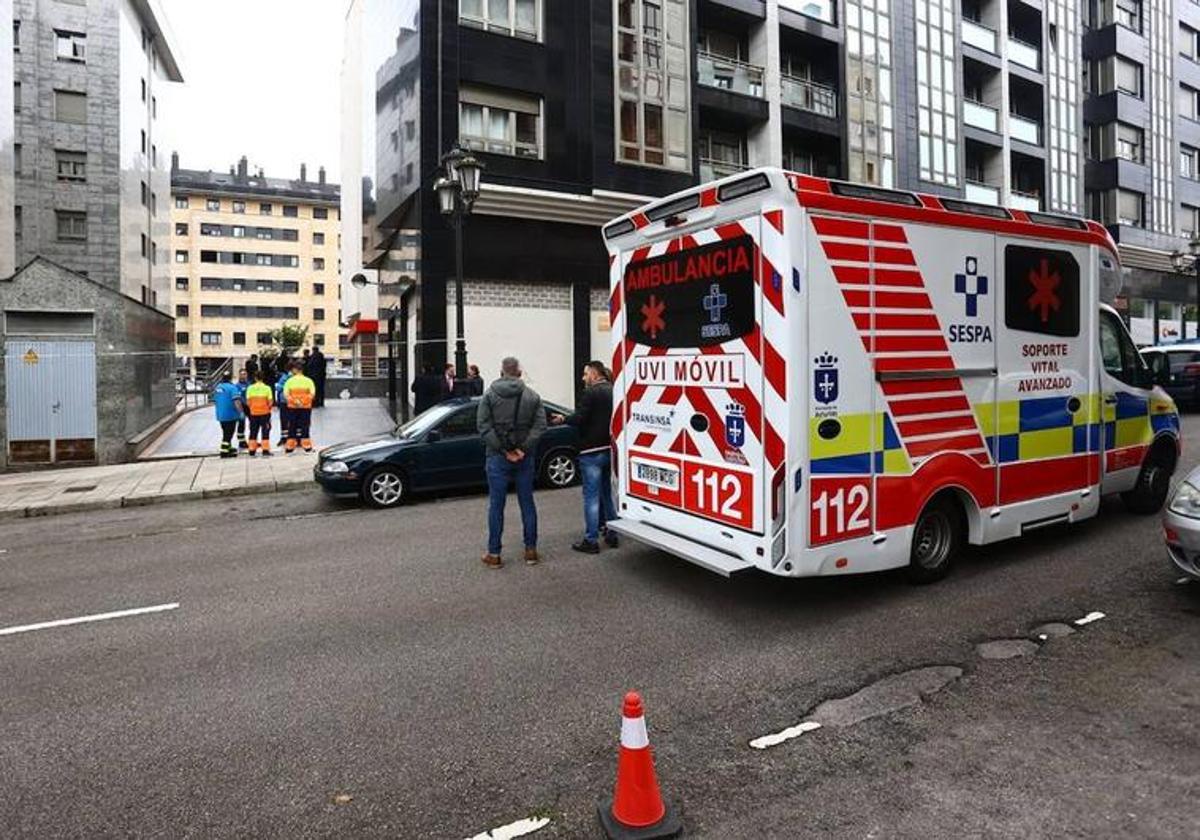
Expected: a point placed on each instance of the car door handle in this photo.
(1110, 400)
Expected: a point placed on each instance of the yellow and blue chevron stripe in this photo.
(849, 451)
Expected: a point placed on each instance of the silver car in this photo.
(1181, 525)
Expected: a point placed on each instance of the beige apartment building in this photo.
(248, 254)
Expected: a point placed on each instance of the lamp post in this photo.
(1184, 260)
(457, 188)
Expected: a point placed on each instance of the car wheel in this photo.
(1150, 493)
(560, 469)
(383, 487)
(936, 542)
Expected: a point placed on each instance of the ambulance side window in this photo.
(1120, 358)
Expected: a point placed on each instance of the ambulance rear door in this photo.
(693, 417)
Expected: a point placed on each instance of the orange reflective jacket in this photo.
(299, 391)
(258, 399)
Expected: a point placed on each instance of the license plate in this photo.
(656, 476)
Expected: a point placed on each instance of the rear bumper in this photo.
(683, 548)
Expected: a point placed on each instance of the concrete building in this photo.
(90, 182)
(249, 253)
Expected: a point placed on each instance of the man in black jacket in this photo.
(592, 417)
(427, 390)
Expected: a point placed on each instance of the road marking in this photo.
(515, 829)
(785, 735)
(1183, 581)
(1089, 618)
(63, 622)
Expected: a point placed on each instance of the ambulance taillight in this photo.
(778, 501)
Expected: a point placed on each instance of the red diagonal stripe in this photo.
(644, 440)
(861, 298)
(853, 275)
(935, 405)
(923, 448)
(888, 233)
(914, 364)
(772, 291)
(847, 251)
(775, 218)
(889, 321)
(775, 369)
(935, 425)
(614, 303)
(921, 386)
(831, 226)
(898, 277)
(902, 343)
(732, 230)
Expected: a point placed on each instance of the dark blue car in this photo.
(439, 450)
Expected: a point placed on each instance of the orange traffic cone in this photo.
(637, 810)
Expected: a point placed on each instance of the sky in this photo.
(261, 79)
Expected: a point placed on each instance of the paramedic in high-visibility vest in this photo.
(259, 399)
(284, 414)
(227, 401)
(299, 392)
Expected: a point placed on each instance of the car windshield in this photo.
(424, 421)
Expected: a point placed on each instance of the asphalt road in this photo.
(332, 672)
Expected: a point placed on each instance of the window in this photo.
(18, 160)
(1128, 13)
(143, 141)
(263, 338)
(1129, 208)
(320, 213)
(70, 106)
(501, 122)
(154, 107)
(181, 256)
(1041, 291)
(210, 339)
(318, 239)
(143, 90)
(181, 338)
(238, 232)
(318, 314)
(460, 424)
(319, 340)
(653, 83)
(1188, 42)
(318, 288)
(1186, 102)
(1189, 158)
(153, 252)
(181, 284)
(1128, 77)
(521, 18)
(16, 36)
(239, 339)
(181, 229)
(264, 209)
(153, 155)
(17, 232)
(72, 225)
(213, 204)
(181, 310)
(145, 249)
(71, 166)
(181, 202)
(318, 263)
(239, 207)
(145, 195)
(1120, 358)
(291, 211)
(1129, 142)
(16, 97)
(1189, 221)
(69, 46)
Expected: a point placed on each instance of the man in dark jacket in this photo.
(592, 417)
(511, 420)
(427, 390)
(314, 369)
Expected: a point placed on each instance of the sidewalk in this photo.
(151, 482)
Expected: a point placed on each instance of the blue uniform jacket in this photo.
(225, 398)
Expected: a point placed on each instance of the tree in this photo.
(289, 337)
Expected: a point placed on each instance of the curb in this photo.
(155, 499)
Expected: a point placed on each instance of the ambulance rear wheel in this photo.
(1150, 493)
(936, 542)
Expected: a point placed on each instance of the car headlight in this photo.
(335, 467)
(1186, 501)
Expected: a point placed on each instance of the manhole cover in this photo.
(83, 489)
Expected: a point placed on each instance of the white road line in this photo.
(785, 735)
(63, 622)
(1089, 618)
(515, 829)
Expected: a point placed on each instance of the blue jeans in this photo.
(597, 493)
(500, 472)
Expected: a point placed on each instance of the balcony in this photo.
(1026, 130)
(1025, 201)
(1026, 55)
(981, 116)
(711, 169)
(809, 96)
(982, 193)
(723, 73)
(979, 36)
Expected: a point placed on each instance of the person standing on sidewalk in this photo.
(227, 400)
(592, 417)
(243, 383)
(299, 393)
(285, 418)
(258, 406)
(511, 421)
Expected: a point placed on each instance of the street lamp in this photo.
(457, 188)
(1184, 260)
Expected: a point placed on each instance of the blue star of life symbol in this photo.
(971, 285)
(715, 302)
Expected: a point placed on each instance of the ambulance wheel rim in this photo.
(931, 544)
(561, 470)
(386, 488)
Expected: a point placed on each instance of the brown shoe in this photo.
(493, 561)
(531, 557)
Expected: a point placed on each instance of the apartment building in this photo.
(89, 179)
(582, 110)
(249, 253)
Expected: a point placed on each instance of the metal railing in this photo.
(809, 96)
(1025, 129)
(718, 71)
(979, 36)
(1025, 200)
(981, 116)
(711, 169)
(191, 391)
(982, 193)
(1027, 55)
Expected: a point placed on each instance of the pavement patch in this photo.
(1006, 648)
(1051, 630)
(514, 829)
(1089, 618)
(784, 735)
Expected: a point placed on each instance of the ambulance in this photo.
(814, 377)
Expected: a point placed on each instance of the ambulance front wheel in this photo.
(1154, 482)
(938, 538)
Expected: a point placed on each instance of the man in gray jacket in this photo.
(511, 421)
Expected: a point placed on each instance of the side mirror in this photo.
(1162, 376)
(433, 436)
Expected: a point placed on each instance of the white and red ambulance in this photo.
(815, 377)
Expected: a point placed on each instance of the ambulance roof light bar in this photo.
(990, 210)
(743, 187)
(672, 208)
(619, 228)
(1057, 221)
(848, 190)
